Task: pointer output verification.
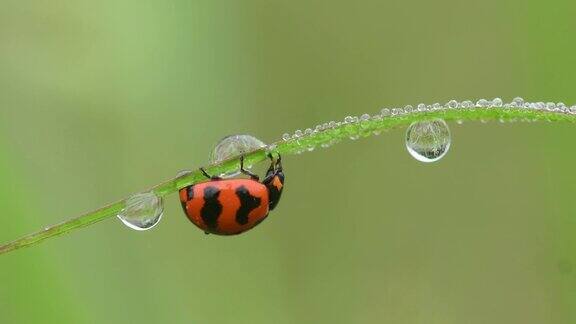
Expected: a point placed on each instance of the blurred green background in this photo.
(99, 99)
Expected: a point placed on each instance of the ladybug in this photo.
(233, 206)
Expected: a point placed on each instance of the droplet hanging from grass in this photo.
(142, 212)
(428, 141)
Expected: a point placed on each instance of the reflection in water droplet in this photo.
(142, 212)
(497, 102)
(397, 111)
(234, 145)
(518, 102)
(428, 141)
(482, 103)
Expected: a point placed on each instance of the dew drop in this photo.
(298, 133)
(482, 103)
(421, 107)
(497, 102)
(452, 104)
(142, 212)
(234, 145)
(385, 112)
(182, 173)
(466, 104)
(397, 111)
(428, 141)
(286, 137)
(518, 102)
(409, 109)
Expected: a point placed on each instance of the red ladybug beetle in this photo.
(233, 206)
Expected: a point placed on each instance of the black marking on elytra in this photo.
(247, 204)
(189, 196)
(190, 192)
(212, 207)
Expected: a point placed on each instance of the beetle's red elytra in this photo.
(233, 206)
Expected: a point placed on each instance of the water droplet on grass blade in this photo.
(518, 102)
(482, 103)
(467, 104)
(234, 145)
(142, 211)
(497, 102)
(183, 173)
(428, 141)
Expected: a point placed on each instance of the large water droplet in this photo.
(142, 212)
(234, 145)
(428, 141)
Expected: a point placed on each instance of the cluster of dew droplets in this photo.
(354, 127)
(426, 141)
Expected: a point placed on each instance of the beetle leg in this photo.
(246, 172)
(209, 176)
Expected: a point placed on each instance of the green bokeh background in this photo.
(99, 99)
